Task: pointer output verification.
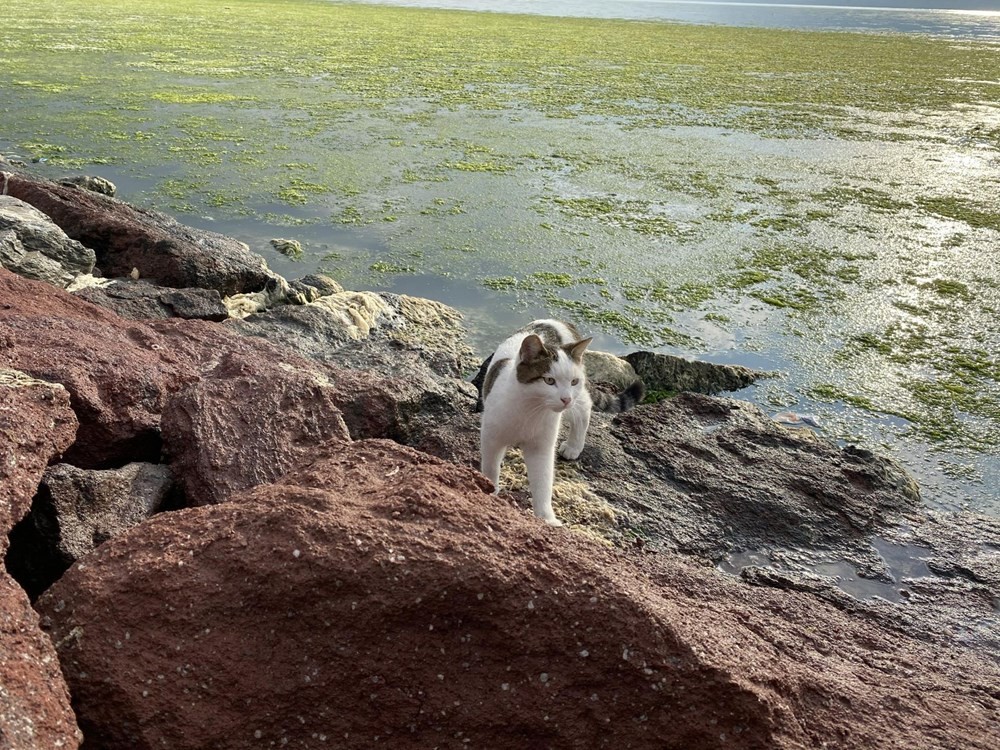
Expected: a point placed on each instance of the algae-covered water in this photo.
(820, 204)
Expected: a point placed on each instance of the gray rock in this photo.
(408, 357)
(669, 374)
(39, 234)
(76, 510)
(710, 476)
(313, 286)
(137, 300)
(364, 330)
(30, 264)
(91, 183)
(323, 284)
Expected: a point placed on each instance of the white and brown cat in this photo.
(533, 379)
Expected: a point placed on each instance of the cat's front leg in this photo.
(539, 461)
(578, 417)
(491, 457)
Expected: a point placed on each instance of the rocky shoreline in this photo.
(243, 512)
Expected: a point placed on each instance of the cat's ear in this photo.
(531, 348)
(576, 350)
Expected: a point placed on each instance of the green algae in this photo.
(948, 288)
(829, 392)
(872, 198)
(634, 177)
(972, 213)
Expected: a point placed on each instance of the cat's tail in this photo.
(621, 401)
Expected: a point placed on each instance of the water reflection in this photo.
(978, 19)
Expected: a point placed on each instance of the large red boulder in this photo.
(117, 372)
(380, 596)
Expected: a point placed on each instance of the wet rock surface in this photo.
(667, 374)
(725, 477)
(727, 582)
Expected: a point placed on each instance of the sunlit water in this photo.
(509, 213)
(979, 19)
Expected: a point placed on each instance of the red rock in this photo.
(379, 596)
(247, 423)
(117, 372)
(36, 425)
(35, 712)
(125, 237)
(121, 373)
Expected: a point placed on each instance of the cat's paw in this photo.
(569, 452)
(553, 521)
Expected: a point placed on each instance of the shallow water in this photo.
(823, 205)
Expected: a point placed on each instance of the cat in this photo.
(533, 379)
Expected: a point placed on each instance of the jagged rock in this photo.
(289, 248)
(137, 300)
(118, 372)
(668, 374)
(126, 237)
(315, 285)
(77, 509)
(349, 327)
(411, 354)
(377, 592)
(30, 265)
(91, 183)
(35, 710)
(40, 249)
(718, 480)
(247, 423)
(710, 476)
(36, 425)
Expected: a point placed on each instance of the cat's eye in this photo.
(576, 381)
(550, 381)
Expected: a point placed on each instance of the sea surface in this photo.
(979, 19)
(823, 206)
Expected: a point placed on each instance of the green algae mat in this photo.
(822, 204)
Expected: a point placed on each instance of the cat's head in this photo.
(553, 375)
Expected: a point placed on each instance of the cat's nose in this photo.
(566, 400)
